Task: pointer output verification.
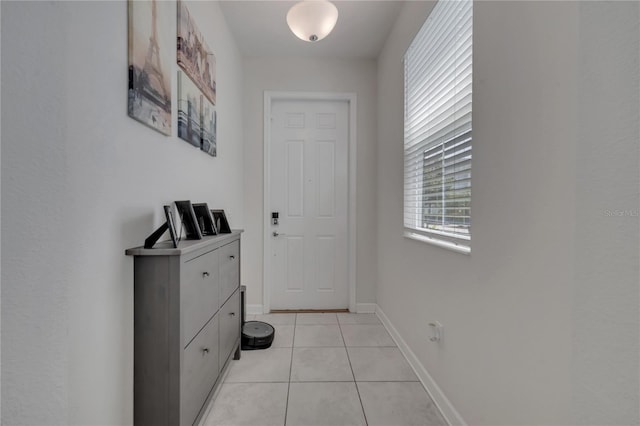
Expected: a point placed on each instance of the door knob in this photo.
(277, 234)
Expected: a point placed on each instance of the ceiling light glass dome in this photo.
(312, 20)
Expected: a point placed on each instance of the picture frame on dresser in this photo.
(205, 219)
(171, 225)
(189, 220)
(221, 222)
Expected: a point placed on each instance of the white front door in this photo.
(309, 184)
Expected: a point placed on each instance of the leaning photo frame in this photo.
(189, 220)
(205, 219)
(171, 224)
(220, 220)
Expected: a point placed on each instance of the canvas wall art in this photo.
(189, 113)
(209, 128)
(194, 55)
(150, 51)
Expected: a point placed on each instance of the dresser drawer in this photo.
(199, 293)
(229, 269)
(200, 371)
(229, 326)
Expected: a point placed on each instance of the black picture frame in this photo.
(205, 219)
(152, 239)
(221, 222)
(189, 220)
(171, 225)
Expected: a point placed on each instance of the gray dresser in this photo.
(187, 325)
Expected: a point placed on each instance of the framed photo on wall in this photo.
(189, 102)
(194, 54)
(209, 128)
(150, 46)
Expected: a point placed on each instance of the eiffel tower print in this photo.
(152, 70)
(149, 94)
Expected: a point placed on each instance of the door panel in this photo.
(294, 262)
(325, 264)
(295, 178)
(309, 188)
(326, 178)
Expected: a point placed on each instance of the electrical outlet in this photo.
(437, 331)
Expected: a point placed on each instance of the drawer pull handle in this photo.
(205, 350)
(205, 274)
(232, 314)
(232, 257)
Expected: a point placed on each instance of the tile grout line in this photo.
(286, 407)
(366, 422)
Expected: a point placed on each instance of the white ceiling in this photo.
(260, 28)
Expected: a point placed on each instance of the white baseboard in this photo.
(254, 309)
(450, 414)
(361, 308)
(366, 308)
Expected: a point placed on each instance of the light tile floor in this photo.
(325, 370)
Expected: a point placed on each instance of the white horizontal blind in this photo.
(437, 132)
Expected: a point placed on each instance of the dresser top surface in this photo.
(165, 248)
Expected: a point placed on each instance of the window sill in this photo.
(458, 248)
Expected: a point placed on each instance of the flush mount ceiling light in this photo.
(312, 20)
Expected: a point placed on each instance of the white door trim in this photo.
(269, 98)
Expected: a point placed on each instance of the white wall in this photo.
(541, 320)
(606, 332)
(81, 182)
(310, 75)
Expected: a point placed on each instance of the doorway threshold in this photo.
(309, 311)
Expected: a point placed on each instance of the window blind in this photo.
(438, 131)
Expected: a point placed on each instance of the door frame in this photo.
(351, 98)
